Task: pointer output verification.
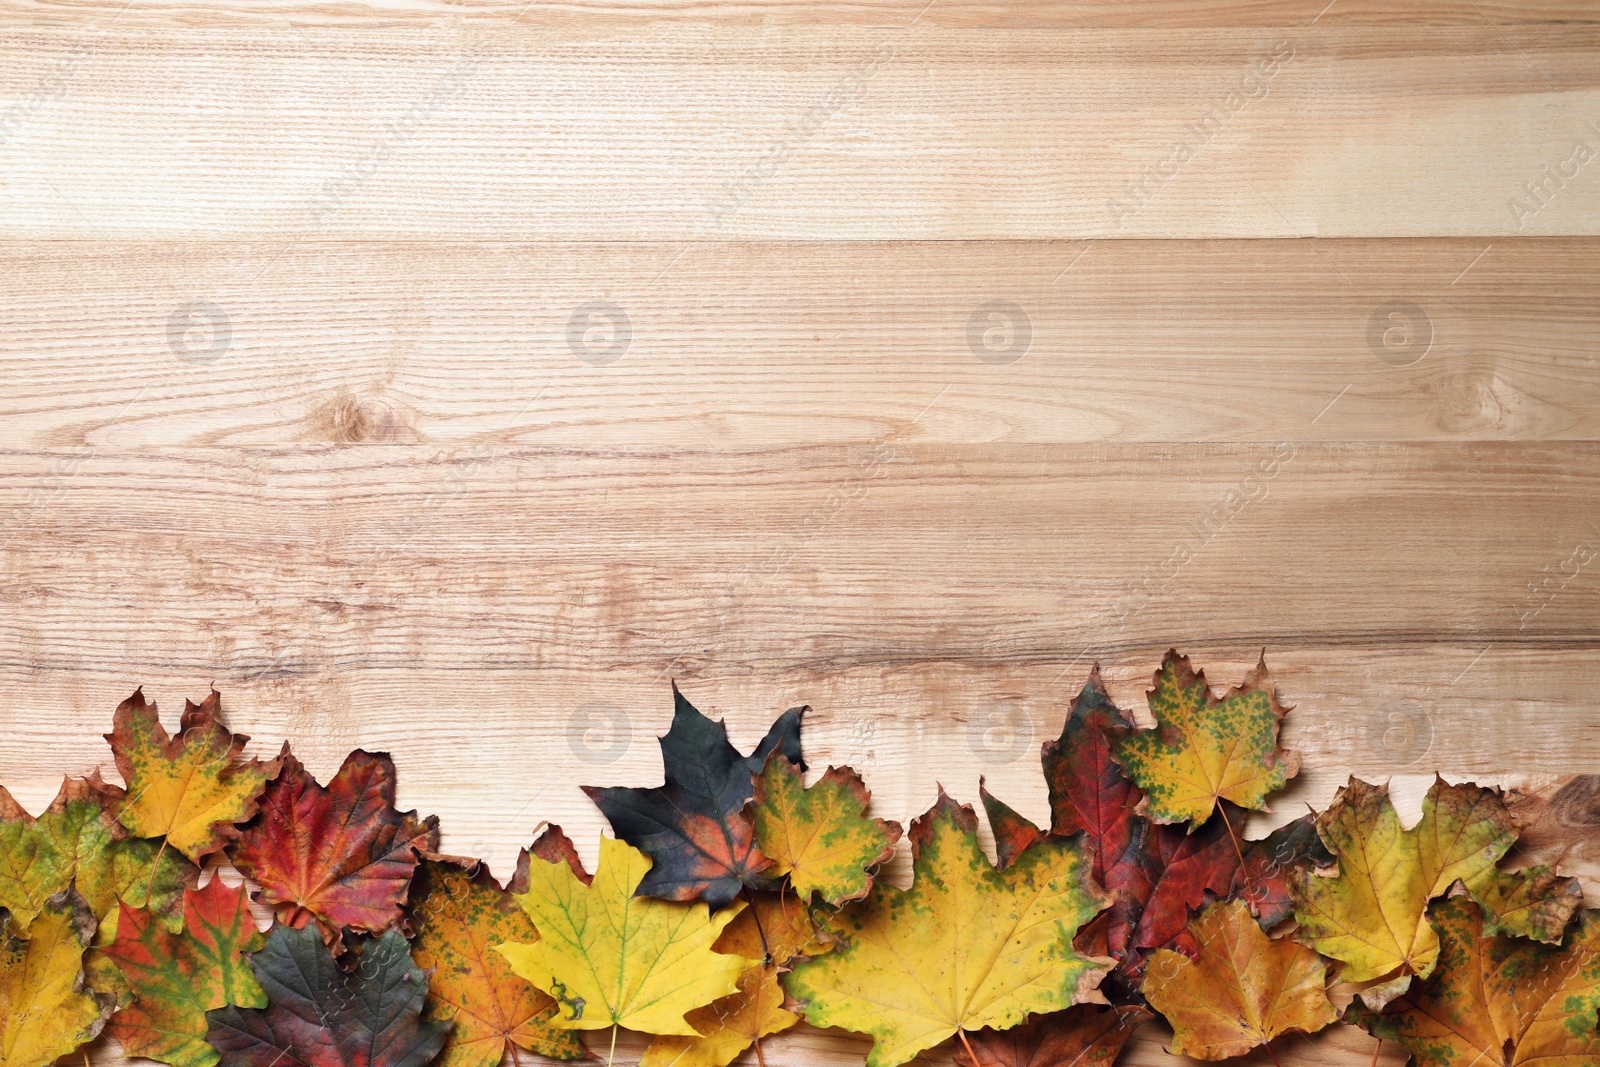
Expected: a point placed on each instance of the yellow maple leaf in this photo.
(1497, 1001)
(776, 929)
(1239, 990)
(191, 788)
(612, 959)
(966, 947)
(45, 1011)
(1203, 749)
(727, 1026)
(1372, 914)
(820, 837)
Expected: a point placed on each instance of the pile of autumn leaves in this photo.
(734, 900)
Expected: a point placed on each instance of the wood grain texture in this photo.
(313, 387)
(447, 606)
(741, 346)
(157, 126)
(956, 14)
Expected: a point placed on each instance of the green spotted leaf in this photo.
(1204, 749)
(1371, 914)
(1496, 1001)
(820, 837)
(459, 915)
(191, 788)
(78, 842)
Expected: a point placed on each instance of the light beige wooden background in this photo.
(293, 402)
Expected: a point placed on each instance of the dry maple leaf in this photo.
(966, 947)
(179, 977)
(459, 916)
(1372, 914)
(78, 842)
(1087, 1035)
(1239, 990)
(773, 930)
(318, 1016)
(693, 827)
(1496, 1001)
(190, 788)
(1204, 750)
(819, 836)
(45, 1009)
(1159, 873)
(612, 959)
(341, 854)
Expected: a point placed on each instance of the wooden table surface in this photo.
(445, 377)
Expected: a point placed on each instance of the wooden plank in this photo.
(165, 126)
(955, 14)
(754, 345)
(923, 599)
(494, 746)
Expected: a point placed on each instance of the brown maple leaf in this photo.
(1085, 1035)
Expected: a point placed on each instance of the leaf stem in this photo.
(1273, 1056)
(1375, 1050)
(766, 949)
(971, 1055)
(1237, 851)
(761, 1061)
(611, 1056)
(150, 889)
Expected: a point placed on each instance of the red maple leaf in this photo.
(1161, 874)
(341, 854)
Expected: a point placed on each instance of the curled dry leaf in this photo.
(966, 947)
(45, 1009)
